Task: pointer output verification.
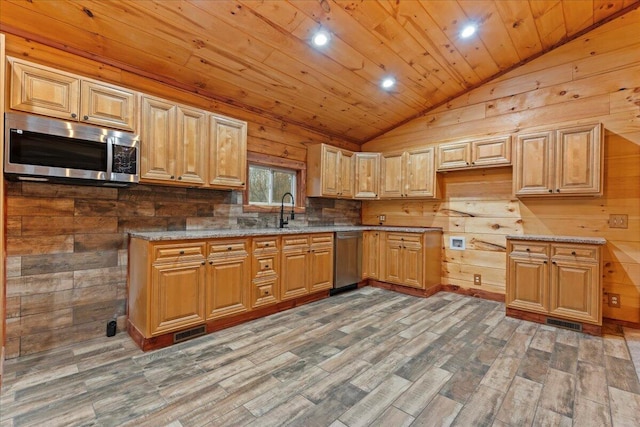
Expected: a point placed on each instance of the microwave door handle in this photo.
(110, 142)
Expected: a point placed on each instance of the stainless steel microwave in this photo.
(43, 149)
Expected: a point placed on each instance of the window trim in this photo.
(267, 160)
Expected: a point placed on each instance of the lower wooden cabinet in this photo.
(227, 278)
(370, 254)
(177, 285)
(403, 259)
(558, 279)
(307, 264)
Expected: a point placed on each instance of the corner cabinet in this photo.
(42, 90)
(474, 154)
(409, 174)
(330, 171)
(560, 162)
(555, 278)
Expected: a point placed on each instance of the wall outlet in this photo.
(477, 279)
(614, 300)
(382, 218)
(618, 221)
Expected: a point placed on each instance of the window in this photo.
(268, 184)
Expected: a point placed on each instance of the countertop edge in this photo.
(249, 232)
(559, 239)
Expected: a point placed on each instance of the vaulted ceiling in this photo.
(257, 54)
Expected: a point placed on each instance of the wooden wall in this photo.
(66, 244)
(594, 78)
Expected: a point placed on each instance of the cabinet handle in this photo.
(203, 262)
(266, 292)
(179, 178)
(74, 115)
(573, 253)
(528, 250)
(181, 252)
(266, 244)
(467, 163)
(211, 262)
(554, 263)
(473, 163)
(86, 118)
(544, 262)
(266, 266)
(557, 190)
(229, 248)
(172, 177)
(550, 191)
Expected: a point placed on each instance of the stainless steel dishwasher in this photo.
(348, 261)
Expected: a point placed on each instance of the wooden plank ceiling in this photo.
(257, 54)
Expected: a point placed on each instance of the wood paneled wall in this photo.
(594, 78)
(67, 244)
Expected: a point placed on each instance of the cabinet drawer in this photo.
(584, 253)
(264, 293)
(227, 247)
(523, 248)
(324, 240)
(265, 265)
(265, 244)
(405, 237)
(295, 243)
(178, 252)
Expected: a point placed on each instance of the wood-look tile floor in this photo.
(367, 357)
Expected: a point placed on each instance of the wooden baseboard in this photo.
(405, 289)
(587, 328)
(624, 323)
(478, 293)
(166, 339)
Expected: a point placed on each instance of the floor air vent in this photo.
(564, 324)
(188, 334)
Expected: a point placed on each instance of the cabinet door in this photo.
(454, 155)
(228, 153)
(392, 271)
(320, 268)
(41, 90)
(579, 160)
(330, 170)
(177, 296)
(391, 179)
(574, 293)
(491, 152)
(294, 274)
(191, 148)
(412, 262)
(157, 140)
(227, 286)
(533, 170)
(370, 254)
(106, 105)
(528, 284)
(367, 171)
(347, 174)
(420, 175)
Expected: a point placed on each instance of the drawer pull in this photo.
(229, 248)
(266, 266)
(211, 262)
(266, 245)
(203, 262)
(181, 252)
(528, 250)
(573, 253)
(554, 263)
(544, 262)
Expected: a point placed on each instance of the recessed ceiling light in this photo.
(468, 31)
(320, 38)
(388, 83)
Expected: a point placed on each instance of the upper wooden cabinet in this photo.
(561, 162)
(367, 171)
(227, 152)
(330, 171)
(474, 154)
(186, 146)
(409, 174)
(42, 90)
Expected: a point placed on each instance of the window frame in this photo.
(265, 160)
(272, 170)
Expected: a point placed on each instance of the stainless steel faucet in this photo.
(284, 221)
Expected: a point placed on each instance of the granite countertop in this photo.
(559, 239)
(250, 232)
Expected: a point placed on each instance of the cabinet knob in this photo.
(172, 176)
(229, 248)
(467, 163)
(544, 262)
(181, 252)
(557, 190)
(180, 177)
(550, 191)
(74, 115)
(473, 163)
(85, 118)
(266, 266)
(528, 250)
(266, 244)
(573, 253)
(203, 262)
(553, 262)
(211, 262)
